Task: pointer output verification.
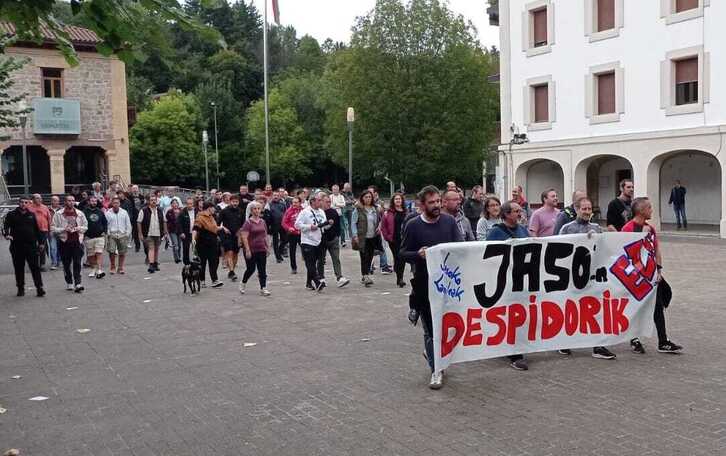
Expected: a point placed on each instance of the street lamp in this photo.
(351, 120)
(216, 149)
(23, 107)
(205, 141)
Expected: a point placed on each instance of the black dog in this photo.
(190, 275)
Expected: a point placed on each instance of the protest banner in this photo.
(492, 299)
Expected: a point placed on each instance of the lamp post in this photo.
(205, 141)
(23, 121)
(216, 148)
(351, 120)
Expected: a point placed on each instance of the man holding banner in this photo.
(494, 299)
(420, 233)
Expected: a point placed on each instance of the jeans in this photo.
(21, 254)
(680, 212)
(398, 264)
(660, 325)
(332, 247)
(55, 259)
(419, 299)
(313, 261)
(344, 222)
(278, 242)
(175, 246)
(71, 253)
(257, 261)
(384, 259)
(293, 240)
(208, 254)
(43, 248)
(366, 256)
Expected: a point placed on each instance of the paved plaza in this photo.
(162, 373)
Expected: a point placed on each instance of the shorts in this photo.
(230, 243)
(95, 245)
(117, 245)
(152, 241)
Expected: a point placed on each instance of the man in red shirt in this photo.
(642, 212)
(43, 217)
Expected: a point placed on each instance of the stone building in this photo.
(77, 132)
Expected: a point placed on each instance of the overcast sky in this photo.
(333, 18)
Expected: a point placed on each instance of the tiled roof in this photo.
(78, 35)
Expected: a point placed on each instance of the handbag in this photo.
(354, 244)
(664, 293)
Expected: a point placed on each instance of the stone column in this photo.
(57, 171)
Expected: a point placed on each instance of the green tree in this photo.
(418, 81)
(166, 142)
(289, 145)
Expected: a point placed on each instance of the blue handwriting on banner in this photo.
(449, 283)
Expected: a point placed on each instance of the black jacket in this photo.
(22, 226)
(678, 196)
(183, 223)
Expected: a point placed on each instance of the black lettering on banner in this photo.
(601, 275)
(581, 267)
(557, 251)
(494, 250)
(521, 268)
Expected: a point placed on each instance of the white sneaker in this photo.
(217, 284)
(92, 274)
(242, 287)
(367, 280)
(437, 380)
(265, 292)
(69, 286)
(343, 282)
(204, 285)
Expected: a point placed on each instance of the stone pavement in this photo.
(161, 373)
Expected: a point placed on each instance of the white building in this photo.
(608, 89)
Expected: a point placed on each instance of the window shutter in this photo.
(605, 15)
(687, 70)
(541, 104)
(606, 93)
(685, 5)
(539, 18)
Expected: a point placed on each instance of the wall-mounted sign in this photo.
(56, 116)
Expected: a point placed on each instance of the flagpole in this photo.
(267, 113)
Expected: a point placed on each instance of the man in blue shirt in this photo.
(508, 229)
(427, 230)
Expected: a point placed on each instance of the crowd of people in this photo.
(214, 228)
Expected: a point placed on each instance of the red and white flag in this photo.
(276, 11)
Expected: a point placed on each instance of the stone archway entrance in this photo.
(38, 169)
(600, 176)
(84, 165)
(538, 175)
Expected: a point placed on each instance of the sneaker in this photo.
(230, 274)
(40, 293)
(100, 274)
(602, 353)
(242, 287)
(280, 260)
(401, 284)
(520, 365)
(387, 270)
(309, 288)
(637, 347)
(293, 272)
(437, 380)
(21, 292)
(53, 268)
(217, 284)
(151, 270)
(343, 282)
(92, 274)
(112, 271)
(669, 347)
(565, 351)
(204, 285)
(69, 286)
(156, 267)
(320, 286)
(265, 292)
(367, 281)
(79, 288)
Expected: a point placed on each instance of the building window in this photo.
(605, 15)
(603, 19)
(685, 81)
(604, 93)
(538, 28)
(52, 82)
(682, 10)
(539, 103)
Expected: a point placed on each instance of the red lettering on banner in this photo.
(636, 284)
(532, 333)
(607, 316)
(552, 320)
(620, 321)
(496, 316)
(589, 307)
(516, 317)
(571, 317)
(471, 326)
(449, 321)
